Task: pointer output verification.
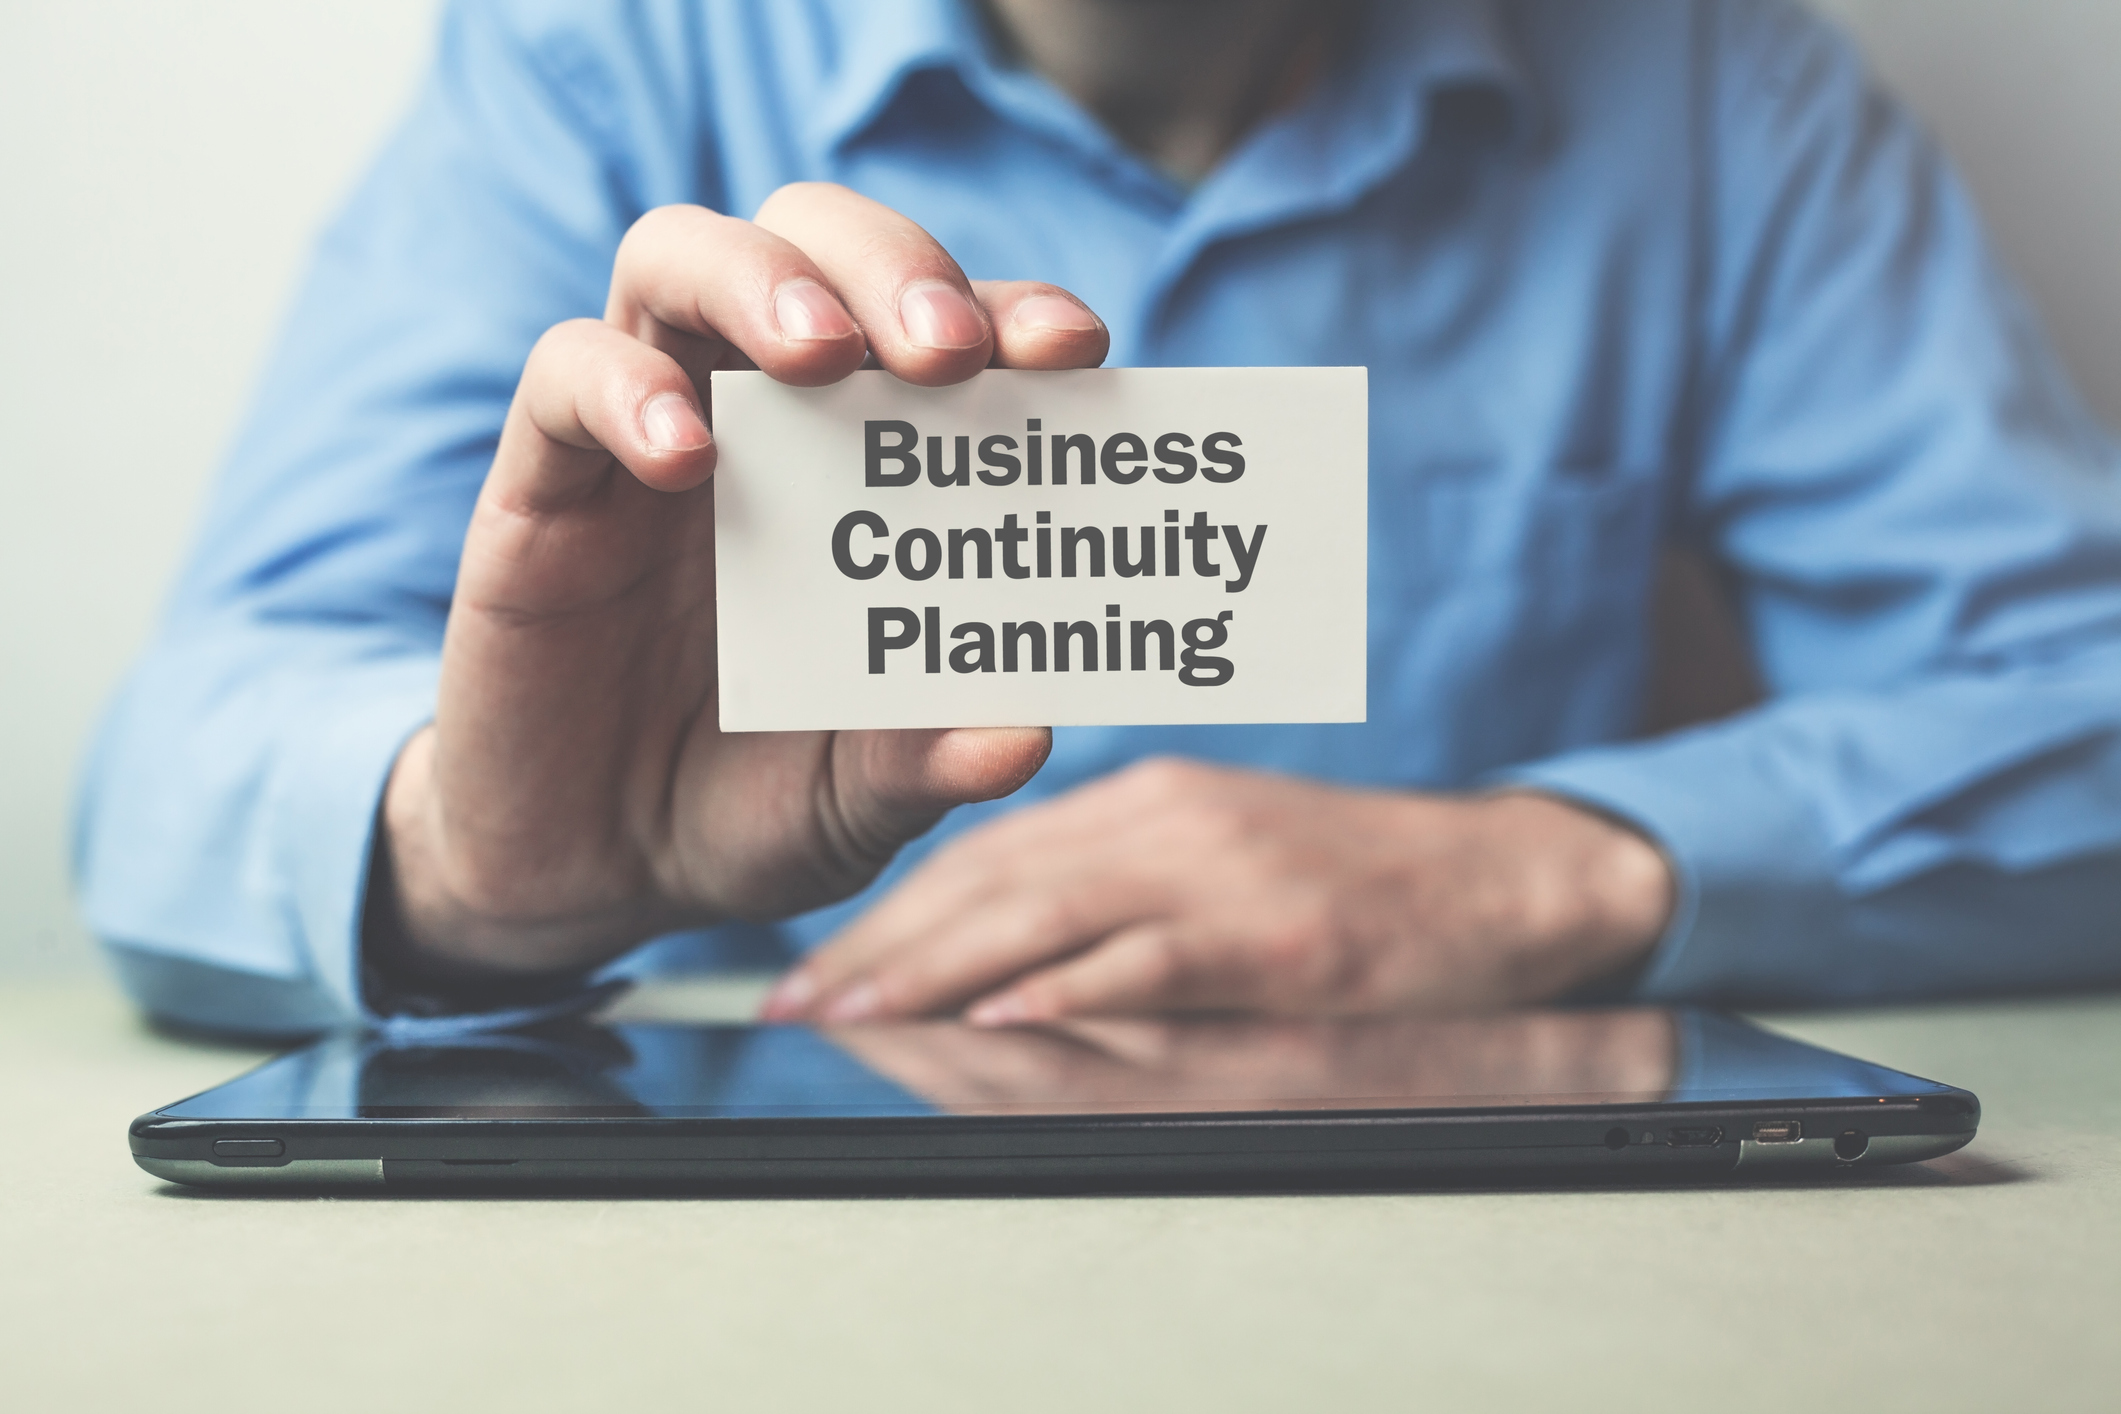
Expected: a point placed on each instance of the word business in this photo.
(1099, 547)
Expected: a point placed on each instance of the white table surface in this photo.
(1989, 1280)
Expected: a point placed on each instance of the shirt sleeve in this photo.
(226, 811)
(1921, 524)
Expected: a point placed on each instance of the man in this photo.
(430, 728)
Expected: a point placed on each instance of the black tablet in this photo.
(1097, 1105)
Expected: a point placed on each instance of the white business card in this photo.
(1099, 547)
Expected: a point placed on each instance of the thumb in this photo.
(887, 787)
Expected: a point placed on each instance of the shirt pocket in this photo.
(1517, 595)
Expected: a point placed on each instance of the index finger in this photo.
(688, 280)
(923, 321)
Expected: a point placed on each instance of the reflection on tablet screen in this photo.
(1113, 1066)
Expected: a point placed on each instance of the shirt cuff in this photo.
(332, 771)
(1757, 897)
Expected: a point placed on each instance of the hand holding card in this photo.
(574, 793)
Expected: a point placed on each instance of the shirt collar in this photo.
(881, 44)
(1442, 44)
(1431, 45)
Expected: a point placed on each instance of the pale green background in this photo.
(165, 166)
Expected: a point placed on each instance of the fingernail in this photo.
(1005, 1010)
(857, 1003)
(938, 316)
(1053, 312)
(788, 997)
(807, 310)
(672, 424)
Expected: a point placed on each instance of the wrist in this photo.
(435, 917)
(1594, 894)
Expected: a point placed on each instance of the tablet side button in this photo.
(248, 1148)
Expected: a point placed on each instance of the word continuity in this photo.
(864, 546)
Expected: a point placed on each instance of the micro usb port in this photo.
(1695, 1136)
(1778, 1131)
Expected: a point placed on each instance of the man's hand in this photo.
(1176, 886)
(573, 795)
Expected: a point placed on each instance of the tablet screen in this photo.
(1118, 1066)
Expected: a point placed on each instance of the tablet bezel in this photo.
(1141, 1150)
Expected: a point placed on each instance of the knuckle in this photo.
(1223, 830)
(1048, 995)
(581, 372)
(561, 343)
(1162, 965)
(920, 979)
(656, 220)
(788, 192)
(670, 257)
(647, 227)
(1293, 952)
(1335, 969)
(1317, 954)
(977, 857)
(1045, 917)
(659, 224)
(1161, 778)
(645, 235)
(893, 255)
(794, 195)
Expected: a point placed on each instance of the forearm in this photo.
(227, 809)
(1936, 837)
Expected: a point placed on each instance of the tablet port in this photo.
(1778, 1131)
(1849, 1145)
(1695, 1136)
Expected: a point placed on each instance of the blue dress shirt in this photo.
(1625, 275)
